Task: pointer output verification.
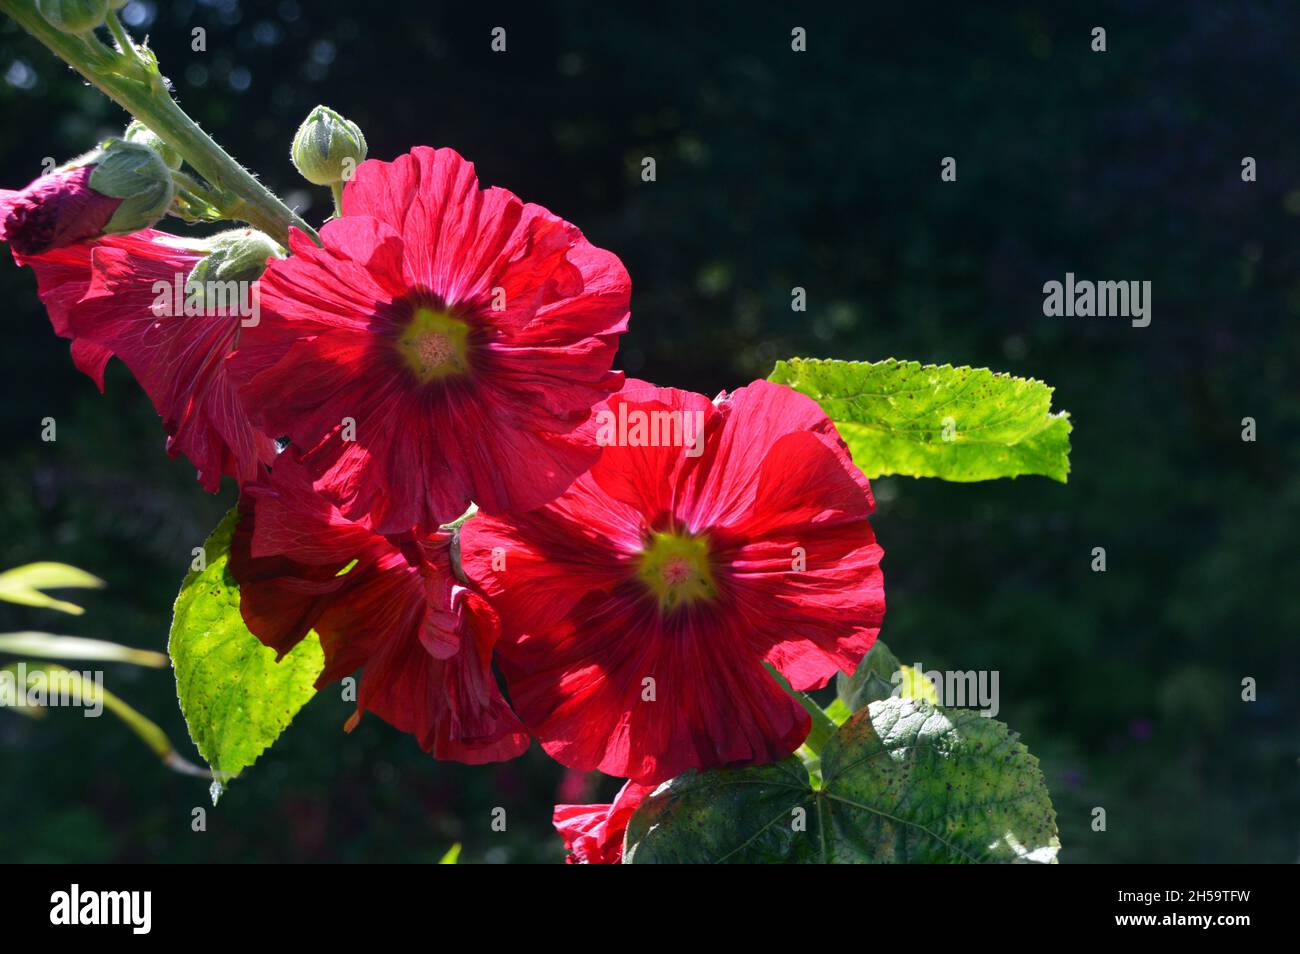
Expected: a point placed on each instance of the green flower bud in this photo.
(327, 148)
(238, 255)
(138, 176)
(139, 132)
(73, 16)
(234, 263)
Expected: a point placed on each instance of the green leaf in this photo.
(452, 856)
(913, 684)
(235, 697)
(741, 815)
(24, 584)
(871, 681)
(839, 711)
(75, 647)
(902, 781)
(53, 678)
(963, 424)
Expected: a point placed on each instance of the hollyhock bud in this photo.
(73, 16)
(56, 210)
(139, 177)
(238, 255)
(234, 263)
(120, 187)
(327, 148)
(139, 132)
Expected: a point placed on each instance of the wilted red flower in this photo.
(638, 608)
(119, 295)
(54, 211)
(445, 345)
(593, 834)
(62, 278)
(425, 642)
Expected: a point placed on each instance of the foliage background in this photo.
(774, 170)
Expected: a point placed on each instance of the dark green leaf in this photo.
(902, 782)
(871, 681)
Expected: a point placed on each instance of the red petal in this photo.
(425, 644)
(594, 833)
(102, 295)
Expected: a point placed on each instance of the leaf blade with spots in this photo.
(235, 697)
(903, 781)
(959, 424)
(911, 782)
(723, 815)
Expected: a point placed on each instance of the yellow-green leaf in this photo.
(235, 697)
(961, 424)
(51, 646)
(452, 856)
(51, 677)
(24, 585)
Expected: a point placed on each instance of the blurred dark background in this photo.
(775, 169)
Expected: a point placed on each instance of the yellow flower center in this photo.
(435, 345)
(675, 568)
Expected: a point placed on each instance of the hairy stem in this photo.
(130, 78)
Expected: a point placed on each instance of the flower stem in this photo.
(130, 78)
(124, 44)
(823, 727)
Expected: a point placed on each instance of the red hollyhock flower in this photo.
(425, 642)
(62, 278)
(593, 834)
(54, 211)
(462, 334)
(118, 295)
(638, 608)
